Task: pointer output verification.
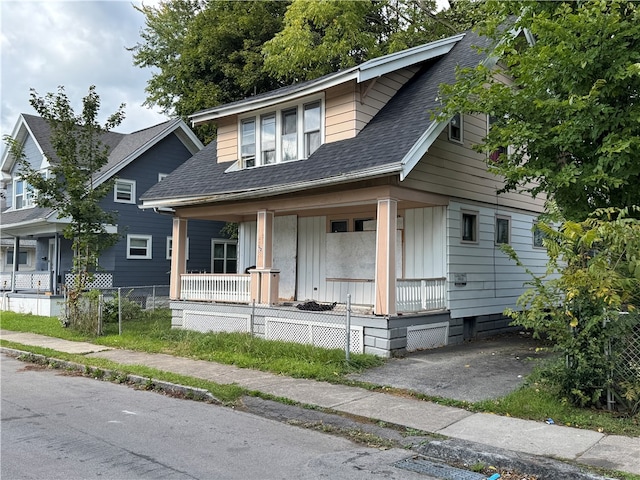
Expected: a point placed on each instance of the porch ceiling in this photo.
(327, 201)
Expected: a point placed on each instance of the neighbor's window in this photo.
(455, 128)
(22, 258)
(358, 224)
(503, 230)
(23, 195)
(248, 142)
(538, 236)
(225, 256)
(170, 248)
(139, 246)
(469, 226)
(124, 191)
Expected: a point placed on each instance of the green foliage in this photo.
(324, 36)
(592, 276)
(69, 185)
(205, 53)
(128, 307)
(571, 112)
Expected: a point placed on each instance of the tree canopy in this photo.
(571, 113)
(206, 52)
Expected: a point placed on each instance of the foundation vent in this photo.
(422, 337)
(216, 322)
(325, 335)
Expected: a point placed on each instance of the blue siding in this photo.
(164, 157)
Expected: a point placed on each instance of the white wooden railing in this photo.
(215, 287)
(38, 281)
(421, 294)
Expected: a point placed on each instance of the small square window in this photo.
(339, 226)
(455, 128)
(22, 257)
(139, 246)
(469, 227)
(124, 191)
(503, 230)
(538, 236)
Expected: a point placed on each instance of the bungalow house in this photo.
(137, 160)
(347, 185)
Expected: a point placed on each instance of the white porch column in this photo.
(178, 256)
(385, 276)
(264, 279)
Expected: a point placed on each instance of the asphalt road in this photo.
(59, 426)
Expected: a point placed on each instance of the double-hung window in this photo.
(124, 191)
(23, 194)
(225, 256)
(139, 247)
(469, 227)
(503, 230)
(280, 135)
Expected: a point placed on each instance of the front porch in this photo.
(412, 295)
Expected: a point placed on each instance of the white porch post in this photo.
(264, 279)
(385, 275)
(178, 256)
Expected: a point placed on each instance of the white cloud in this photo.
(75, 44)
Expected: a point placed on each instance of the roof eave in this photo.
(385, 170)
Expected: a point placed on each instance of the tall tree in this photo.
(571, 112)
(323, 36)
(68, 187)
(206, 52)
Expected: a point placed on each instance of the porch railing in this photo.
(414, 295)
(215, 287)
(38, 281)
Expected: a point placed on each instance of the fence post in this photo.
(119, 311)
(100, 310)
(253, 314)
(347, 349)
(153, 299)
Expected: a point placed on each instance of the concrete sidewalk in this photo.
(512, 434)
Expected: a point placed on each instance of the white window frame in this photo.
(27, 197)
(226, 242)
(257, 116)
(149, 248)
(508, 220)
(460, 128)
(130, 183)
(27, 253)
(170, 247)
(476, 227)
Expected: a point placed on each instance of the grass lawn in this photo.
(152, 333)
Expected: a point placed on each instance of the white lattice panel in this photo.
(422, 337)
(100, 281)
(325, 335)
(216, 322)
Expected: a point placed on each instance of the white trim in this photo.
(169, 246)
(149, 247)
(130, 183)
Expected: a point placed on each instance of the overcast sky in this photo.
(75, 44)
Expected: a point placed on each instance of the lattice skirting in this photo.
(325, 335)
(422, 337)
(216, 322)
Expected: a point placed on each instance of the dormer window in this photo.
(23, 195)
(283, 135)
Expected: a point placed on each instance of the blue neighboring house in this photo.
(142, 256)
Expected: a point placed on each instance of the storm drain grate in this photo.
(439, 470)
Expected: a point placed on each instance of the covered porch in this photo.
(381, 244)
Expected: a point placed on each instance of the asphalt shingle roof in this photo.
(385, 140)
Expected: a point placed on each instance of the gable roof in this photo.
(390, 144)
(123, 149)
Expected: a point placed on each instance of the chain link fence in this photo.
(624, 354)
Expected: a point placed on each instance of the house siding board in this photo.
(493, 281)
(163, 157)
(425, 242)
(311, 258)
(247, 241)
(285, 233)
(227, 142)
(340, 115)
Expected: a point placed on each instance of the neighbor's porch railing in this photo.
(38, 281)
(421, 294)
(215, 287)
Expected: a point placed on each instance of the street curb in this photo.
(97, 373)
(468, 453)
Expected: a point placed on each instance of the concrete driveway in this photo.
(473, 371)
